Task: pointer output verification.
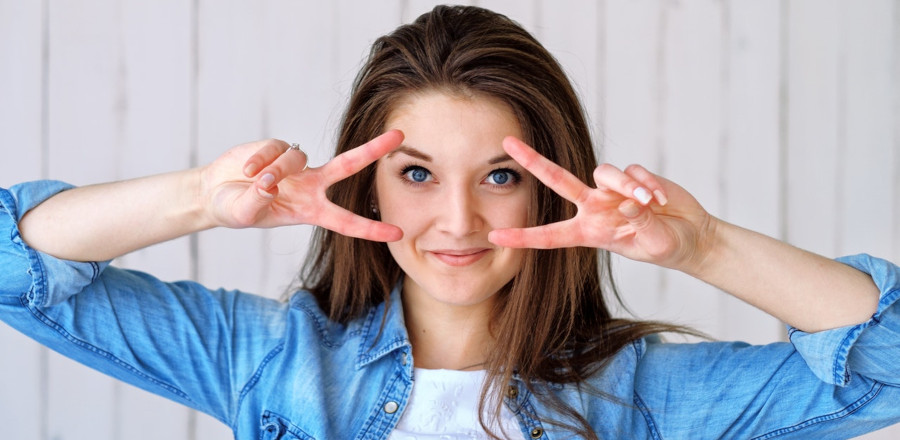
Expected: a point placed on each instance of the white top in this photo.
(444, 406)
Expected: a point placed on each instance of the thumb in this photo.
(652, 235)
(251, 205)
(638, 216)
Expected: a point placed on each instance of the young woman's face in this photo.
(446, 187)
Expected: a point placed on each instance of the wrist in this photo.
(711, 248)
(194, 201)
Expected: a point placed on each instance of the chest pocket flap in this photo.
(276, 427)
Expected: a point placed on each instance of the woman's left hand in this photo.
(619, 215)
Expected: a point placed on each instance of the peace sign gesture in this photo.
(278, 188)
(633, 213)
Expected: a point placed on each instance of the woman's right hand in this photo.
(264, 184)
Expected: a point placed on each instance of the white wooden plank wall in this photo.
(779, 115)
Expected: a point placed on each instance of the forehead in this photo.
(441, 124)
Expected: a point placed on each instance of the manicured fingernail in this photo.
(660, 197)
(267, 180)
(250, 170)
(642, 195)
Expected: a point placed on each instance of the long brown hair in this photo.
(552, 318)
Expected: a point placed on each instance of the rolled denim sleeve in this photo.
(200, 347)
(869, 349)
(834, 384)
(48, 280)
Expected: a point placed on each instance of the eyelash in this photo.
(515, 176)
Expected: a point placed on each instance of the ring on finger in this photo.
(296, 147)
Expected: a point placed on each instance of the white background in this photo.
(781, 116)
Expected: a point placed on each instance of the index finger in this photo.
(347, 223)
(550, 236)
(554, 176)
(351, 162)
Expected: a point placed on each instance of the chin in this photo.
(455, 293)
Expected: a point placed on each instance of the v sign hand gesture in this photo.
(619, 215)
(277, 188)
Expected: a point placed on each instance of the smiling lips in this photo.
(459, 257)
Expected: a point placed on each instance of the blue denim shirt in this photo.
(274, 370)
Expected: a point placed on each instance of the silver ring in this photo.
(296, 147)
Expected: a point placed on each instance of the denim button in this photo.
(512, 392)
(391, 407)
(404, 358)
(537, 432)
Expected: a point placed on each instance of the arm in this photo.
(101, 222)
(259, 184)
(134, 327)
(732, 390)
(804, 290)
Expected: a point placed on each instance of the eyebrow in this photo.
(410, 151)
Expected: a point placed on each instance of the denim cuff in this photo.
(865, 349)
(43, 279)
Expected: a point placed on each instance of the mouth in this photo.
(459, 257)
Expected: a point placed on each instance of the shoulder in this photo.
(306, 316)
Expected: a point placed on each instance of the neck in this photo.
(447, 336)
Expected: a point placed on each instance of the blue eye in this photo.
(417, 174)
(503, 177)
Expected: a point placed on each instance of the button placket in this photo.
(518, 402)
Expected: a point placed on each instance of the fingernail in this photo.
(250, 170)
(660, 197)
(267, 180)
(265, 194)
(642, 195)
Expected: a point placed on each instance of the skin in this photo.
(447, 187)
(805, 290)
(263, 184)
(258, 184)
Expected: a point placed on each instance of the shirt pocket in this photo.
(276, 427)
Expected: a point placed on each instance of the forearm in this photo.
(805, 290)
(104, 221)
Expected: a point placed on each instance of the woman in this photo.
(458, 247)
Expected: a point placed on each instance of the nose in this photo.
(460, 215)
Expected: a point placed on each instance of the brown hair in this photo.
(552, 318)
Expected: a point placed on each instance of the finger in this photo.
(554, 235)
(248, 207)
(347, 223)
(289, 162)
(555, 177)
(269, 151)
(351, 162)
(645, 223)
(649, 181)
(613, 179)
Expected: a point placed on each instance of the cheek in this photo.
(402, 208)
(409, 213)
(509, 212)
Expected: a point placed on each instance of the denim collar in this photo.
(392, 337)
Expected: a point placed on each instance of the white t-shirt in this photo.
(444, 406)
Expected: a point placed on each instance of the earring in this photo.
(373, 207)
